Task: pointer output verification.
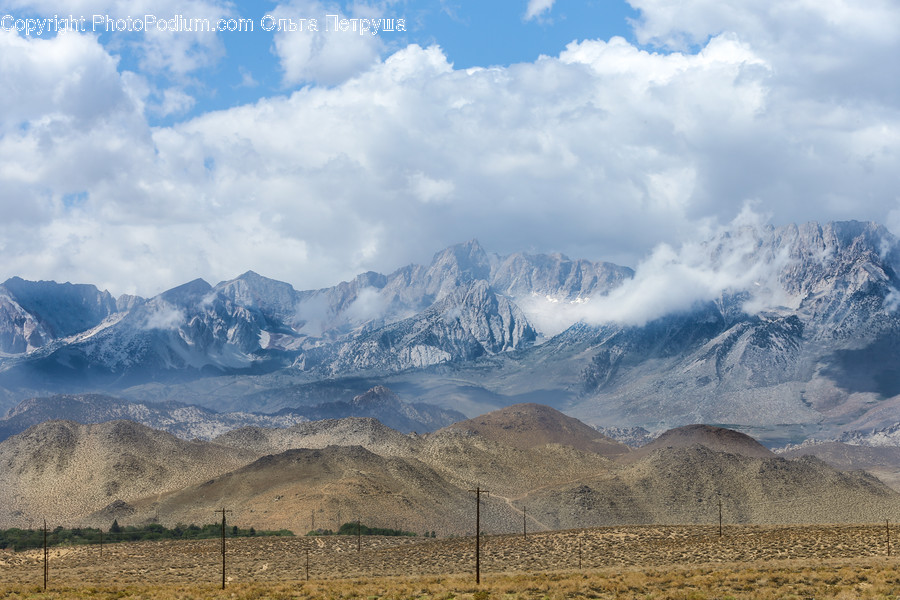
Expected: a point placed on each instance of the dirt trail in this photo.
(509, 502)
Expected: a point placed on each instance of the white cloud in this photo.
(537, 7)
(601, 152)
(176, 53)
(429, 190)
(723, 262)
(174, 101)
(163, 316)
(325, 56)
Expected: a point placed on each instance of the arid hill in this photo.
(367, 432)
(336, 484)
(530, 425)
(552, 472)
(62, 471)
(685, 485)
(883, 462)
(718, 439)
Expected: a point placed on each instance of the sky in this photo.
(138, 152)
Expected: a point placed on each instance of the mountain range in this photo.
(538, 466)
(785, 333)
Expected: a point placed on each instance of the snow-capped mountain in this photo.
(415, 317)
(783, 332)
(827, 357)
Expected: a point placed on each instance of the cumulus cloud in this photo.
(537, 7)
(175, 53)
(602, 151)
(323, 56)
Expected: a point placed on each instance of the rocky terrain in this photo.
(798, 340)
(195, 422)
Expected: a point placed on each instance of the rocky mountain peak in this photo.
(252, 290)
(188, 293)
(34, 313)
(378, 396)
(458, 264)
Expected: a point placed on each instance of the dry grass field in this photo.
(678, 562)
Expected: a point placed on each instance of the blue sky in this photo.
(244, 67)
(601, 129)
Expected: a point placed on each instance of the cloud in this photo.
(602, 151)
(723, 262)
(174, 101)
(325, 56)
(175, 54)
(162, 316)
(537, 7)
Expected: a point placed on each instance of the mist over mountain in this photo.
(780, 332)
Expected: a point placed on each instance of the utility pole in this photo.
(46, 568)
(358, 535)
(720, 517)
(223, 511)
(478, 492)
(101, 543)
(887, 525)
(307, 564)
(312, 515)
(579, 551)
(524, 525)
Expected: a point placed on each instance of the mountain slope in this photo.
(34, 313)
(88, 474)
(195, 422)
(181, 420)
(794, 332)
(717, 439)
(527, 426)
(64, 471)
(824, 361)
(685, 485)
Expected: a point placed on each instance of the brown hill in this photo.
(62, 471)
(352, 431)
(333, 485)
(718, 439)
(468, 459)
(67, 471)
(529, 425)
(684, 485)
(883, 462)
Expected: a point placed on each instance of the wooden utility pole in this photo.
(478, 492)
(358, 535)
(887, 526)
(307, 564)
(312, 516)
(524, 525)
(720, 517)
(101, 543)
(46, 568)
(223, 511)
(579, 551)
